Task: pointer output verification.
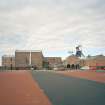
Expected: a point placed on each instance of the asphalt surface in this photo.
(63, 90)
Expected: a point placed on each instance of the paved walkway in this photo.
(18, 88)
(90, 75)
(66, 90)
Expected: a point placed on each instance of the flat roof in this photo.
(8, 56)
(28, 51)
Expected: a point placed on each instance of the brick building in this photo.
(93, 61)
(8, 62)
(37, 59)
(71, 62)
(72, 59)
(26, 59)
(53, 61)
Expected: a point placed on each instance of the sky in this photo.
(53, 26)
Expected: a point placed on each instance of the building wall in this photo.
(37, 59)
(54, 61)
(8, 62)
(95, 61)
(100, 60)
(72, 60)
(82, 62)
(24, 59)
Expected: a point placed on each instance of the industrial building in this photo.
(54, 62)
(25, 59)
(71, 62)
(94, 62)
(8, 62)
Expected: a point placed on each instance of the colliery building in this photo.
(53, 62)
(72, 62)
(26, 59)
(8, 62)
(94, 62)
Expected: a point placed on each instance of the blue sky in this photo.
(53, 26)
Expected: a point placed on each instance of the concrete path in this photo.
(90, 75)
(65, 90)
